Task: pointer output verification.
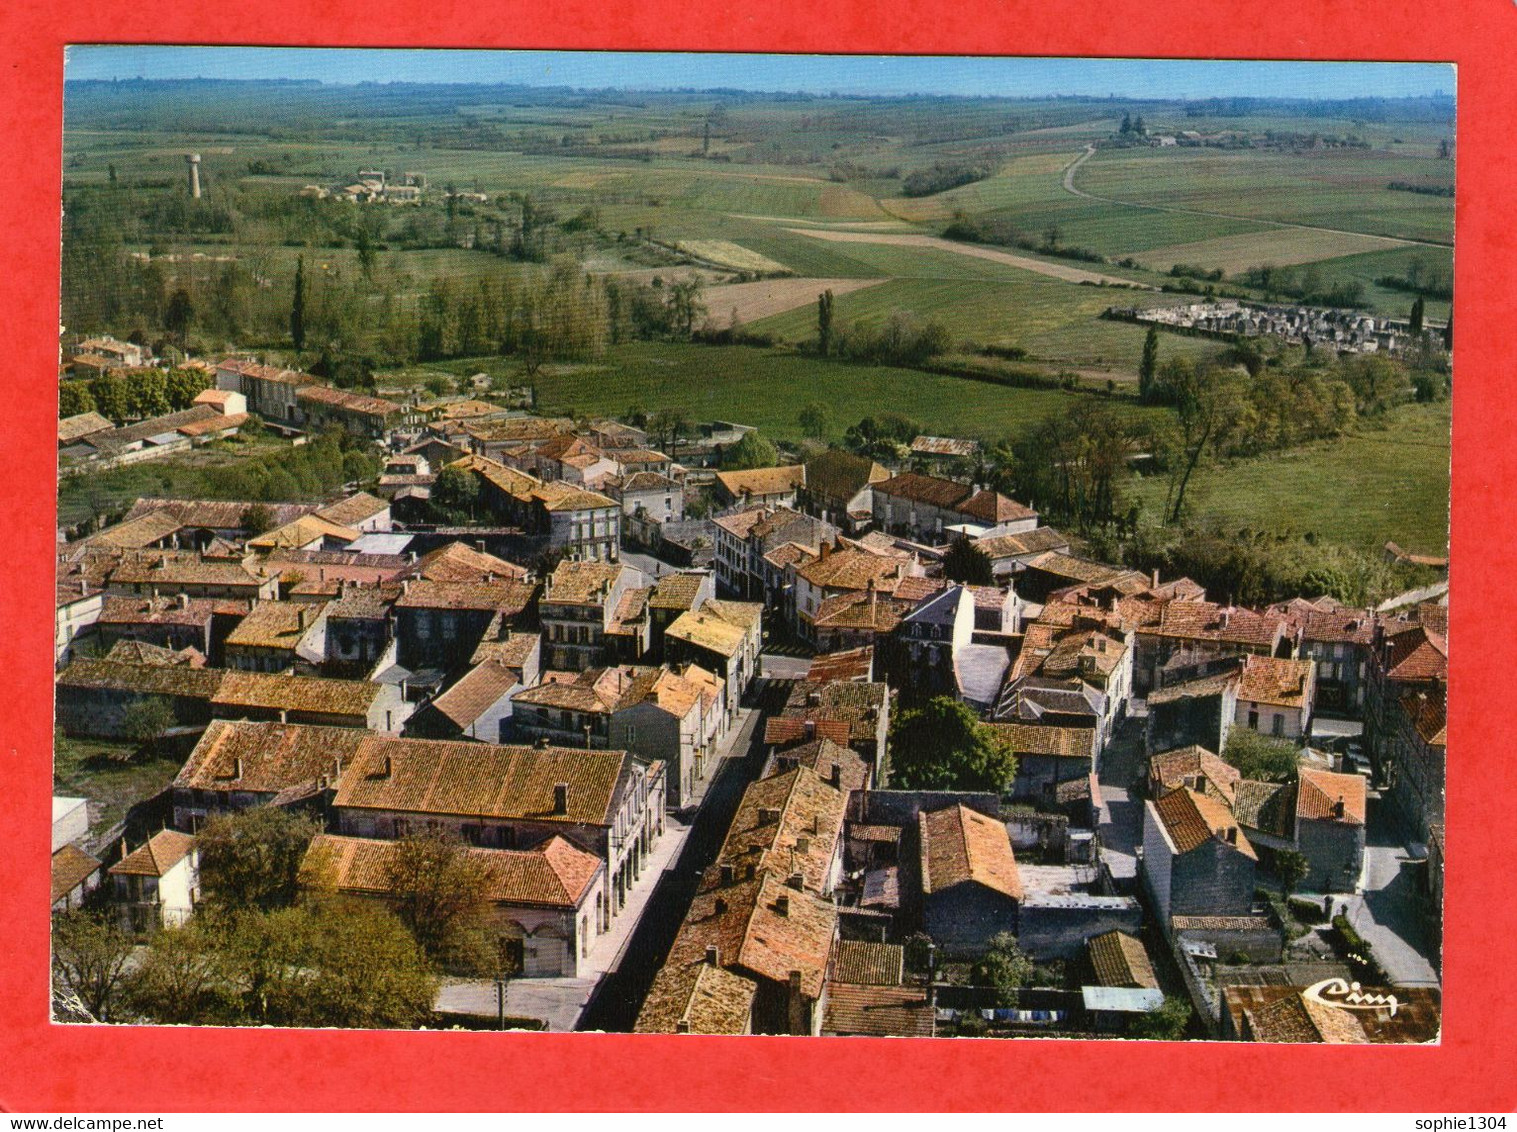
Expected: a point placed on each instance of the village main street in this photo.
(615, 975)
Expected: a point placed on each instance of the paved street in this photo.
(1120, 775)
(562, 1002)
(1389, 912)
(621, 993)
(773, 666)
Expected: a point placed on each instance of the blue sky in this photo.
(817, 73)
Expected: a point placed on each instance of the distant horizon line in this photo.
(819, 93)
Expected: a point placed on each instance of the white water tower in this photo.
(193, 160)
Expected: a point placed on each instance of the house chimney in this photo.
(751, 871)
(336, 768)
(782, 904)
(720, 906)
(768, 815)
(1339, 807)
(835, 778)
(385, 768)
(561, 798)
(184, 601)
(825, 549)
(810, 726)
(236, 767)
(713, 956)
(479, 545)
(682, 1026)
(1156, 577)
(542, 743)
(796, 881)
(803, 845)
(727, 874)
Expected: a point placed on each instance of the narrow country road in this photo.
(1069, 187)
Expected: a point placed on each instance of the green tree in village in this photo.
(1418, 308)
(815, 420)
(941, 745)
(74, 398)
(964, 562)
(1167, 1024)
(1209, 408)
(178, 316)
(252, 859)
(686, 306)
(182, 386)
(455, 495)
(1291, 867)
(441, 894)
(1260, 757)
(1148, 368)
(1004, 968)
(90, 956)
(751, 451)
(824, 303)
(145, 722)
(298, 306)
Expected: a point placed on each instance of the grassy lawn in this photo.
(768, 388)
(90, 493)
(1380, 484)
(97, 769)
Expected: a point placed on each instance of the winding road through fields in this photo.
(1388, 241)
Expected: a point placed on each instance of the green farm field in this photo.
(1362, 490)
(768, 388)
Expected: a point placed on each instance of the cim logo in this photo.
(1349, 996)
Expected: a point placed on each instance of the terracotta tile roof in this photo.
(1209, 621)
(354, 509)
(847, 664)
(868, 963)
(1351, 626)
(266, 373)
(362, 603)
(213, 424)
(195, 611)
(476, 692)
(134, 534)
(553, 875)
(140, 652)
(349, 402)
(876, 1011)
(143, 679)
(837, 475)
(1275, 680)
(630, 613)
(787, 823)
(582, 583)
(925, 489)
(514, 650)
(697, 998)
(559, 496)
(302, 532)
(1053, 742)
(1265, 806)
(639, 482)
(72, 866)
(458, 562)
(763, 481)
(828, 757)
(677, 591)
(585, 692)
(944, 446)
(216, 514)
(711, 628)
(157, 856)
(1194, 689)
(1296, 1018)
(1182, 767)
(561, 448)
(1318, 793)
(1121, 960)
(168, 569)
(762, 927)
(992, 507)
(851, 569)
(1428, 712)
(481, 779)
(665, 689)
(81, 425)
(1040, 540)
(1416, 1019)
(856, 703)
(318, 694)
(781, 730)
(854, 610)
(1193, 819)
(460, 410)
(1081, 570)
(1416, 654)
(276, 624)
(503, 596)
(960, 846)
(265, 758)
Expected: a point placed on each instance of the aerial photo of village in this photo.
(753, 544)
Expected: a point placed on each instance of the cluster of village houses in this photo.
(1345, 331)
(390, 676)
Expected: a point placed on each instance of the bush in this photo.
(1306, 911)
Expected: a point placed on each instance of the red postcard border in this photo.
(44, 1067)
